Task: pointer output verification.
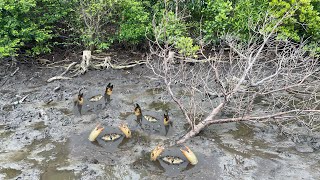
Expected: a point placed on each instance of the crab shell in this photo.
(156, 152)
(125, 129)
(172, 160)
(150, 118)
(95, 98)
(192, 158)
(111, 137)
(95, 133)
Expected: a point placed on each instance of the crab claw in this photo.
(125, 129)
(156, 152)
(109, 89)
(189, 155)
(95, 132)
(137, 110)
(166, 119)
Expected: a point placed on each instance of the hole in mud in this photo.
(65, 111)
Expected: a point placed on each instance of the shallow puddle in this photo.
(10, 173)
(57, 157)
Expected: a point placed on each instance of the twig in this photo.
(20, 101)
(12, 74)
(58, 78)
(61, 75)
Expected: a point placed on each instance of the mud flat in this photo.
(41, 140)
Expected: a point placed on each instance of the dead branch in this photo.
(245, 118)
(88, 61)
(252, 79)
(61, 76)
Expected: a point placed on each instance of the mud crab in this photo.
(174, 160)
(109, 137)
(107, 94)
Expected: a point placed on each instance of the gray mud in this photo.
(45, 137)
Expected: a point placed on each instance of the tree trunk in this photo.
(197, 128)
(85, 63)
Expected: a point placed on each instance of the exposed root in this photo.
(88, 62)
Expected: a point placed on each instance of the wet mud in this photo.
(46, 136)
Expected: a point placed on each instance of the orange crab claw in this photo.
(192, 158)
(166, 119)
(95, 132)
(125, 129)
(156, 152)
(137, 110)
(109, 89)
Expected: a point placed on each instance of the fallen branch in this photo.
(208, 121)
(61, 75)
(58, 78)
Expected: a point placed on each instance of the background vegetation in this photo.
(32, 27)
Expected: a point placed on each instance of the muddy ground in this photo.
(41, 140)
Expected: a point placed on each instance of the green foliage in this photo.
(221, 17)
(28, 25)
(313, 48)
(217, 18)
(135, 21)
(35, 26)
(89, 22)
(169, 28)
(303, 22)
(186, 47)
